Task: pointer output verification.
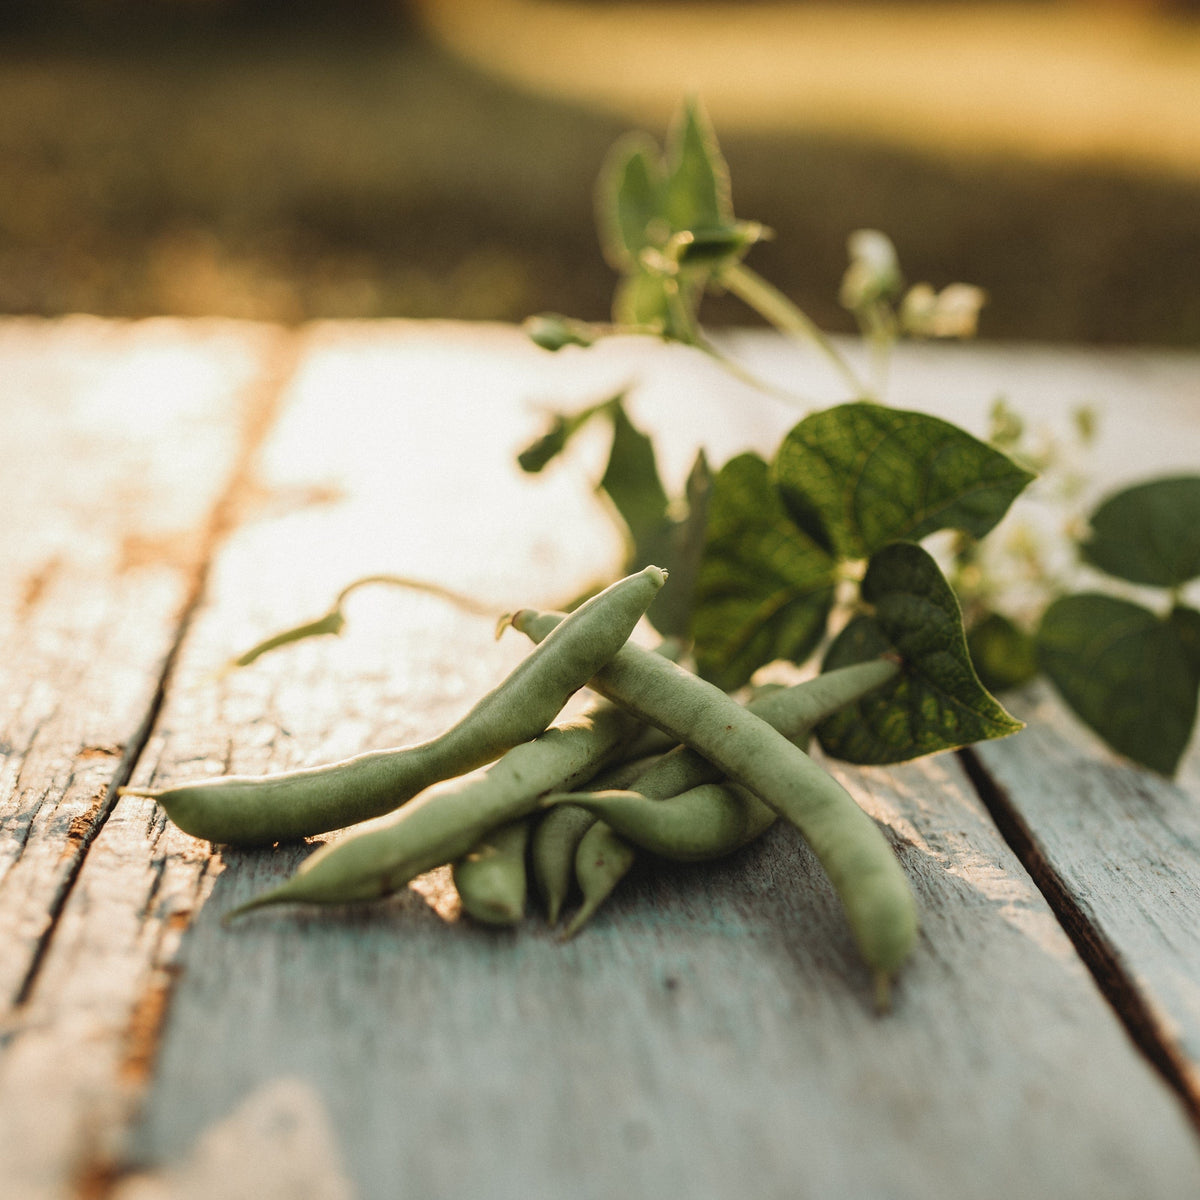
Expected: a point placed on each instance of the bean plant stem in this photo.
(458, 599)
(769, 302)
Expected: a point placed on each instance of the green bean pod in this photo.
(491, 879)
(602, 860)
(703, 823)
(552, 854)
(704, 834)
(793, 711)
(861, 865)
(246, 810)
(448, 820)
(558, 833)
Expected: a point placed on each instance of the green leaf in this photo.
(764, 589)
(860, 475)
(671, 611)
(632, 483)
(553, 331)
(631, 201)
(698, 193)
(1127, 673)
(936, 702)
(1149, 533)
(563, 427)
(332, 622)
(1003, 654)
(1186, 622)
(714, 248)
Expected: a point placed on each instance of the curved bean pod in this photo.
(491, 879)
(555, 841)
(602, 860)
(558, 833)
(865, 873)
(447, 821)
(794, 711)
(247, 810)
(703, 823)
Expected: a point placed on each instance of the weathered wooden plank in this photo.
(1118, 850)
(120, 442)
(711, 1033)
(79, 1045)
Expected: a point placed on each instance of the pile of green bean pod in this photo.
(491, 879)
(679, 807)
(860, 863)
(568, 799)
(247, 811)
(448, 821)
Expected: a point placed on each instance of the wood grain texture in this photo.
(710, 1034)
(120, 442)
(1118, 849)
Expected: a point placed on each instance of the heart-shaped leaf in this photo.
(860, 475)
(936, 702)
(698, 194)
(1127, 673)
(631, 201)
(1149, 533)
(764, 589)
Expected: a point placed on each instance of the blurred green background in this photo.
(301, 160)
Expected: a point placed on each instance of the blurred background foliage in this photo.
(301, 159)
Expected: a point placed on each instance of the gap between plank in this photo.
(259, 412)
(1093, 948)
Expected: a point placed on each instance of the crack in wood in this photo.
(1098, 954)
(82, 827)
(23, 755)
(261, 410)
(101, 1174)
(18, 830)
(101, 752)
(158, 867)
(143, 1035)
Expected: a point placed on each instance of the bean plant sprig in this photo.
(765, 548)
(761, 555)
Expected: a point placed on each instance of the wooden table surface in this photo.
(173, 491)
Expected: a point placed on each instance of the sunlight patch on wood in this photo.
(437, 889)
(279, 1141)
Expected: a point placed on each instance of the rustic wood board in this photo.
(1118, 850)
(120, 442)
(709, 1035)
(710, 1032)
